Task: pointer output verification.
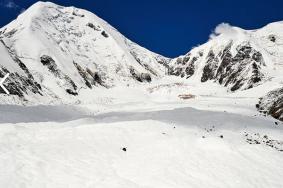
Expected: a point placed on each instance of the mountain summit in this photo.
(52, 50)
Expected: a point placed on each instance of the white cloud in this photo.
(10, 4)
(22, 10)
(223, 28)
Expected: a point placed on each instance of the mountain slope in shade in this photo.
(57, 51)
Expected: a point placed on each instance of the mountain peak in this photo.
(235, 58)
(73, 49)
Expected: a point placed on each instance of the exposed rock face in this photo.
(103, 33)
(68, 83)
(184, 66)
(145, 77)
(51, 65)
(91, 78)
(272, 38)
(141, 77)
(210, 68)
(272, 104)
(18, 84)
(242, 70)
(239, 71)
(85, 75)
(91, 25)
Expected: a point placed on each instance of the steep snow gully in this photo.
(90, 108)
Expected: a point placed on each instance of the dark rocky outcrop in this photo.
(75, 13)
(176, 71)
(210, 67)
(84, 74)
(103, 33)
(97, 78)
(71, 92)
(51, 65)
(18, 84)
(272, 104)
(53, 68)
(145, 77)
(141, 77)
(91, 78)
(10, 33)
(241, 71)
(91, 25)
(184, 66)
(272, 38)
(190, 70)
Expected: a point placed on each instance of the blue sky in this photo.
(168, 27)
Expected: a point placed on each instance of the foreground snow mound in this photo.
(235, 58)
(57, 51)
(165, 148)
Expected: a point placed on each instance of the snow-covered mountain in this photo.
(239, 60)
(235, 58)
(54, 52)
(57, 54)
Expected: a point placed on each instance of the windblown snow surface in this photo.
(168, 142)
(170, 133)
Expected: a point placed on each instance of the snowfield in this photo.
(90, 108)
(167, 143)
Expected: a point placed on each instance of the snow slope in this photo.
(164, 148)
